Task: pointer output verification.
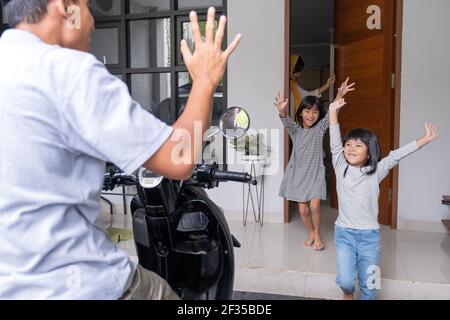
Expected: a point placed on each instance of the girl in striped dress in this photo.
(304, 179)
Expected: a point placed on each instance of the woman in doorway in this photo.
(297, 91)
(304, 180)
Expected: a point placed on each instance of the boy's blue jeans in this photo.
(358, 254)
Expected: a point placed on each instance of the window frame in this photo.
(3, 26)
(177, 17)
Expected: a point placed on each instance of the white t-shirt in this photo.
(303, 94)
(62, 116)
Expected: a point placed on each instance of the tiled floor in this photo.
(272, 259)
(414, 265)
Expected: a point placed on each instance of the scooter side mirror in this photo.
(234, 124)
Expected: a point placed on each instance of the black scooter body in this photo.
(183, 236)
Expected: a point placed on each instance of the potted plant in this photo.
(253, 150)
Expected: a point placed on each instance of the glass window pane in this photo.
(153, 93)
(147, 6)
(184, 89)
(4, 16)
(186, 33)
(150, 43)
(105, 45)
(197, 4)
(101, 8)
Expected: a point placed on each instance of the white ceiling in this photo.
(311, 21)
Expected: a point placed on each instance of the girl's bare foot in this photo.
(318, 243)
(309, 241)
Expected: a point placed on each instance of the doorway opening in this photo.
(336, 37)
(311, 39)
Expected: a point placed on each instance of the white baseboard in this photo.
(323, 286)
(421, 226)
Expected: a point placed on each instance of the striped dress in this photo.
(304, 178)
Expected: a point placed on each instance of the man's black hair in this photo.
(29, 11)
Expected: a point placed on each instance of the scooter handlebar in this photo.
(233, 176)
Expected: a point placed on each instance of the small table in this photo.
(258, 210)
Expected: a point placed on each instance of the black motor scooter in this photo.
(179, 232)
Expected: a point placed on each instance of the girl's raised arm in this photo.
(342, 92)
(283, 109)
(282, 105)
(344, 89)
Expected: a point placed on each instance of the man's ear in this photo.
(61, 7)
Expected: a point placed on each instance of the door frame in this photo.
(397, 70)
(398, 23)
(287, 52)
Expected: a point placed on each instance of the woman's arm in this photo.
(394, 158)
(331, 80)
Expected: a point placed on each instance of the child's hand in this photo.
(337, 105)
(431, 134)
(344, 89)
(282, 105)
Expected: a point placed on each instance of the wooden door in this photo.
(367, 57)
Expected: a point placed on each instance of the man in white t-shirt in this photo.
(62, 117)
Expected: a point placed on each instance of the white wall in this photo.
(255, 75)
(425, 176)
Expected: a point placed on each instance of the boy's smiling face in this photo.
(356, 152)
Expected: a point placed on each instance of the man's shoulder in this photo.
(74, 60)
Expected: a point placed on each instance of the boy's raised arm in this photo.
(396, 156)
(335, 134)
(431, 133)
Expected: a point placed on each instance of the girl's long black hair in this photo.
(373, 148)
(309, 103)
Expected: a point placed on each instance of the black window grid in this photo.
(177, 17)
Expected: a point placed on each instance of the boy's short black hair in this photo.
(299, 66)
